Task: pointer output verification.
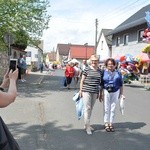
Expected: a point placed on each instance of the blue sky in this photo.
(73, 21)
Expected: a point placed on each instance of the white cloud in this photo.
(73, 21)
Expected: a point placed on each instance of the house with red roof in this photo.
(50, 57)
(80, 52)
(62, 52)
(66, 52)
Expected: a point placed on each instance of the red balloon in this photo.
(122, 58)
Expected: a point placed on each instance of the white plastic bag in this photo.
(122, 104)
(79, 108)
(76, 97)
(79, 105)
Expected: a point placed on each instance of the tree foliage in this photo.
(21, 39)
(24, 19)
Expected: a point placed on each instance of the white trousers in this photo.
(89, 100)
(110, 101)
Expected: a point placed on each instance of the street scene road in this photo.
(43, 117)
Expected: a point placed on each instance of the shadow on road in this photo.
(124, 126)
(53, 137)
(49, 84)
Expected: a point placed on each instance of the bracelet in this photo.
(1, 89)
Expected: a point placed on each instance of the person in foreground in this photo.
(9, 81)
(89, 89)
(111, 91)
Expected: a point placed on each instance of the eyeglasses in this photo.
(94, 60)
(110, 64)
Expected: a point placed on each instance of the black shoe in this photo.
(107, 129)
(111, 129)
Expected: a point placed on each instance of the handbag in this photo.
(7, 141)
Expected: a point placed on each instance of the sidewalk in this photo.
(34, 78)
(138, 84)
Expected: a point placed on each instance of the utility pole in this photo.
(96, 32)
(53, 53)
(86, 44)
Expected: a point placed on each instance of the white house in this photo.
(104, 45)
(127, 38)
(34, 56)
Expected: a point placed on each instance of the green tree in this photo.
(24, 19)
(21, 39)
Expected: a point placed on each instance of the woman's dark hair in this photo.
(110, 59)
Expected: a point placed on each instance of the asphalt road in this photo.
(43, 118)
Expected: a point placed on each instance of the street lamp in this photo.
(86, 44)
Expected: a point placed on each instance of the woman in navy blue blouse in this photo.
(112, 89)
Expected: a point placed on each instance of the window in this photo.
(140, 35)
(15, 54)
(118, 41)
(126, 39)
(28, 54)
(36, 55)
(102, 45)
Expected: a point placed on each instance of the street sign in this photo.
(8, 39)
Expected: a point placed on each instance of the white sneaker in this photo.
(22, 80)
(92, 129)
(88, 131)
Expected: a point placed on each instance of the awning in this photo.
(146, 49)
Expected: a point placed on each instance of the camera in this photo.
(13, 64)
(110, 86)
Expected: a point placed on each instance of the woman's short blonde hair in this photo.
(94, 57)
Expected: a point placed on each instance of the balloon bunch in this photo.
(146, 35)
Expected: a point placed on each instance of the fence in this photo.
(145, 79)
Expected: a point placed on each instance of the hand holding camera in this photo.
(13, 64)
(9, 75)
(13, 75)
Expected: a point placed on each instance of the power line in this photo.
(120, 8)
(115, 13)
(123, 11)
(121, 14)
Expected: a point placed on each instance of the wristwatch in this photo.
(1, 89)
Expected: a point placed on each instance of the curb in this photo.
(40, 80)
(135, 84)
(138, 85)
